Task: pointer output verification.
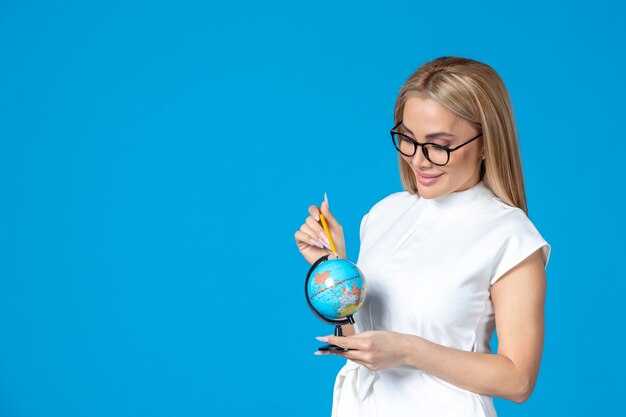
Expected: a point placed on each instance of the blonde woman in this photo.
(447, 261)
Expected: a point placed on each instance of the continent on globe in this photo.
(321, 278)
(349, 301)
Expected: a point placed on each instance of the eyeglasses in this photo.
(437, 154)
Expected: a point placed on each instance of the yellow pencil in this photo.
(330, 239)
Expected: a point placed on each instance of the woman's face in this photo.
(426, 116)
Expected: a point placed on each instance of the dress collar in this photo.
(460, 200)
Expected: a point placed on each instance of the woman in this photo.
(446, 261)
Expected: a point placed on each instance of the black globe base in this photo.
(332, 348)
(335, 348)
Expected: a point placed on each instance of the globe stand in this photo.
(338, 323)
(339, 333)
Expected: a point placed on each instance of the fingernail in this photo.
(323, 235)
(324, 244)
(322, 338)
(327, 245)
(317, 217)
(316, 243)
(326, 199)
(318, 352)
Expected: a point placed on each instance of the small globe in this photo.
(335, 289)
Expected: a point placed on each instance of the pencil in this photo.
(330, 239)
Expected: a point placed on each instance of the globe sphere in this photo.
(335, 289)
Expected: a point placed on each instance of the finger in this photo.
(344, 341)
(304, 237)
(314, 211)
(312, 239)
(303, 240)
(314, 225)
(365, 334)
(355, 355)
(321, 235)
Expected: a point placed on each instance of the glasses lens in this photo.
(436, 155)
(403, 144)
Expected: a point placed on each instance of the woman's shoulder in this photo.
(512, 233)
(507, 217)
(510, 225)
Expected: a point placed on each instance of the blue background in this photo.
(157, 156)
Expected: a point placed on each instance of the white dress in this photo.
(429, 264)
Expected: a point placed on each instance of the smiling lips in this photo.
(429, 175)
(427, 179)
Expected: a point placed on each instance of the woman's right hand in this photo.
(311, 238)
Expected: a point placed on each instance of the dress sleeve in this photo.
(520, 242)
(362, 229)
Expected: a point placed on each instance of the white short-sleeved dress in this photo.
(429, 264)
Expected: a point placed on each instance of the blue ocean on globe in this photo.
(336, 288)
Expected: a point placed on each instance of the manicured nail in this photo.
(317, 217)
(326, 199)
(327, 246)
(318, 352)
(322, 338)
(323, 235)
(316, 243)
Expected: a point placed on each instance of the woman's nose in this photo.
(419, 159)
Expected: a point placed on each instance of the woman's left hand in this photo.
(374, 349)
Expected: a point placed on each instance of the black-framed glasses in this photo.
(435, 153)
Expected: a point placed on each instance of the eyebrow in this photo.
(431, 135)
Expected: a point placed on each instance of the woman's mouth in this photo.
(427, 179)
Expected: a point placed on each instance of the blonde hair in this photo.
(475, 92)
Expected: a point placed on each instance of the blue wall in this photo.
(156, 159)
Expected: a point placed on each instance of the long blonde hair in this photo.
(475, 92)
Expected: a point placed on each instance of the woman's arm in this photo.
(518, 299)
(511, 373)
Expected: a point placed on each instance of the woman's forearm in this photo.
(482, 373)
